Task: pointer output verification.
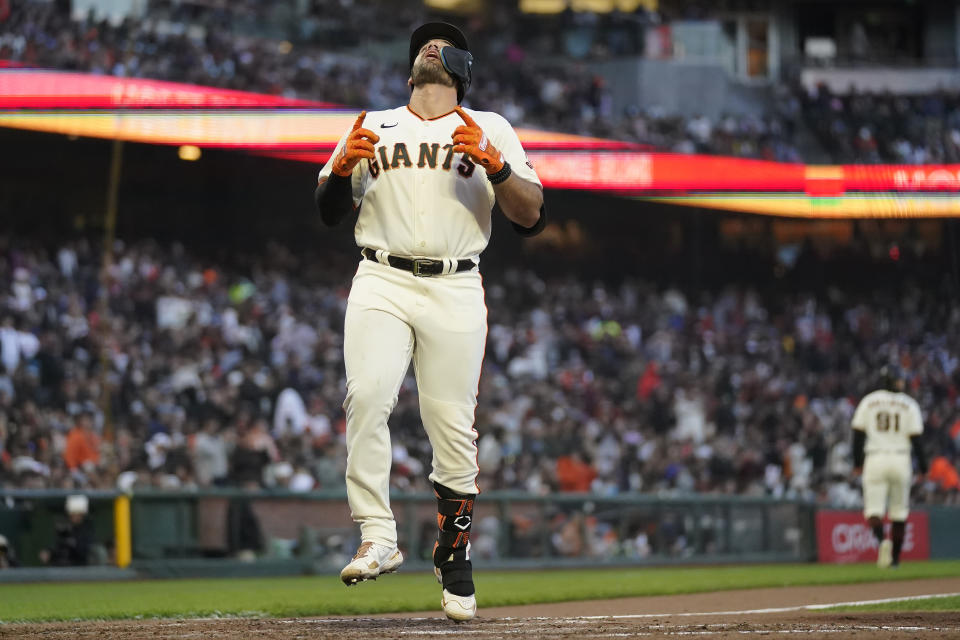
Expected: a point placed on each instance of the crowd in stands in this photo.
(531, 73)
(181, 372)
(540, 81)
(872, 128)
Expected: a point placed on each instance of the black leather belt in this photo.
(422, 267)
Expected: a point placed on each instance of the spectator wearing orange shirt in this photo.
(83, 444)
(574, 473)
(944, 474)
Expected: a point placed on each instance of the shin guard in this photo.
(451, 553)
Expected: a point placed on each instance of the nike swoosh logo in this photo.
(387, 126)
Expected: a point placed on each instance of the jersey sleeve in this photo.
(916, 424)
(509, 145)
(356, 181)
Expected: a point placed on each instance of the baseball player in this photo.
(886, 426)
(423, 179)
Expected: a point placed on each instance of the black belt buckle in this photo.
(418, 264)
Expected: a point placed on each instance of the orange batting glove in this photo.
(359, 145)
(471, 140)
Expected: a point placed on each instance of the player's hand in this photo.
(470, 139)
(359, 145)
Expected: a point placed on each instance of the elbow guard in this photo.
(528, 232)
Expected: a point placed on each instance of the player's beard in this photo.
(430, 71)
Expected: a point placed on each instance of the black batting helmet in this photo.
(891, 378)
(459, 64)
(431, 30)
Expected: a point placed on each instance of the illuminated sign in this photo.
(155, 112)
(33, 89)
(798, 205)
(278, 129)
(274, 129)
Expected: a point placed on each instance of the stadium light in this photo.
(592, 6)
(585, 6)
(462, 6)
(543, 6)
(189, 152)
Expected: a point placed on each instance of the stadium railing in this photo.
(234, 532)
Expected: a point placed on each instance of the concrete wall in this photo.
(687, 88)
(884, 79)
(940, 34)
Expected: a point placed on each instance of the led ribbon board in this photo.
(155, 112)
(35, 89)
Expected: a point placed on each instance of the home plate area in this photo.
(859, 626)
(783, 612)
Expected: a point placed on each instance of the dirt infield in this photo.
(721, 615)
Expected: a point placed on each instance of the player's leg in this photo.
(875, 491)
(451, 553)
(451, 335)
(898, 531)
(876, 525)
(377, 348)
(899, 476)
(450, 342)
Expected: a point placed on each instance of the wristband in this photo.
(500, 176)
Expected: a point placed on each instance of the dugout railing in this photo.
(181, 533)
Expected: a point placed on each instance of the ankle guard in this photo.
(451, 553)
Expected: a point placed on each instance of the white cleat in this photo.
(372, 560)
(459, 608)
(885, 554)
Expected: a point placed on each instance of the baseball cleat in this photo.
(458, 608)
(885, 554)
(371, 560)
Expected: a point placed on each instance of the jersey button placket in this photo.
(418, 219)
(421, 212)
(419, 197)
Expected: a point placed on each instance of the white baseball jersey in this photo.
(889, 420)
(443, 210)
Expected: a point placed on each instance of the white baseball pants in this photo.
(886, 485)
(441, 323)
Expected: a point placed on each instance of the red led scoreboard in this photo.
(156, 112)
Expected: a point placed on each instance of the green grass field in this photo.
(326, 595)
(946, 603)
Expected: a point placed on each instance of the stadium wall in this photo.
(678, 86)
(187, 533)
(944, 525)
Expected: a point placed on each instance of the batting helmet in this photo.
(458, 62)
(891, 378)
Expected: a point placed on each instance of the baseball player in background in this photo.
(423, 179)
(886, 427)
